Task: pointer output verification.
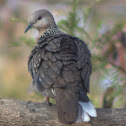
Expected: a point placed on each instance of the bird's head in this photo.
(41, 20)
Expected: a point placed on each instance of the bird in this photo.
(60, 66)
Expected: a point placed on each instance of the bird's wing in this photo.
(44, 64)
(84, 62)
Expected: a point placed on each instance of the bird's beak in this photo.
(29, 27)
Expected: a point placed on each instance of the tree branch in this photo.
(24, 113)
(114, 65)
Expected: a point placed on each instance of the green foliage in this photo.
(71, 23)
(17, 20)
(30, 42)
(117, 81)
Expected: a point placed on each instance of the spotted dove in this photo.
(60, 66)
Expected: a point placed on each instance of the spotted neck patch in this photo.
(50, 32)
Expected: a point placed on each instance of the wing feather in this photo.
(84, 62)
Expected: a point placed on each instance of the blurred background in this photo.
(100, 23)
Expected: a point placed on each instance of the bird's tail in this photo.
(67, 105)
(86, 109)
(70, 109)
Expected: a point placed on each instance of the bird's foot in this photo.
(47, 102)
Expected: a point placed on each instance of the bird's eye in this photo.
(39, 18)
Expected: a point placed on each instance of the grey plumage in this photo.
(60, 66)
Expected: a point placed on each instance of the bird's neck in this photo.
(41, 32)
(48, 32)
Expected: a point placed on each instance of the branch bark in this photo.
(27, 113)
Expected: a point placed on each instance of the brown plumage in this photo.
(60, 66)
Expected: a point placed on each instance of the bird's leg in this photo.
(47, 101)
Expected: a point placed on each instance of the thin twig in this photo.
(106, 60)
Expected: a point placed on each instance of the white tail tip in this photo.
(88, 110)
(85, 117)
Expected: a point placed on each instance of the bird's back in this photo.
(60, 67)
